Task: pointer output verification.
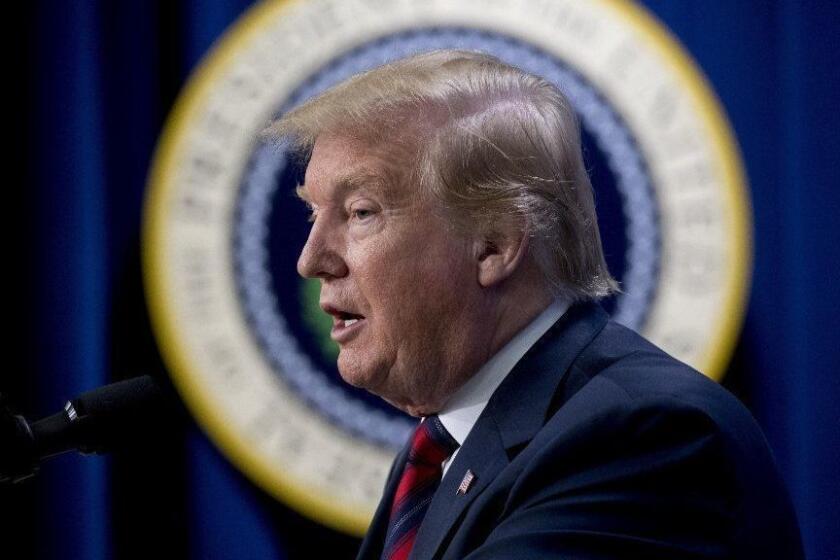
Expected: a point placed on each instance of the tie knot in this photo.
(431, 444)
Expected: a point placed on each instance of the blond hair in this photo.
(496, 145)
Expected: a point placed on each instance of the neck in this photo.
(506, 313)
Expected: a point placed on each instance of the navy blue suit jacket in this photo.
(600, 445)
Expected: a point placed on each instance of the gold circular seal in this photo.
(648, 106)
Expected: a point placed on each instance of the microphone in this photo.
(94, 422)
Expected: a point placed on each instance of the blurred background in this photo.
(90, 86)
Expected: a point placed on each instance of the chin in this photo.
(357, 374)
(353, 377)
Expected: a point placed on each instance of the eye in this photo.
(362, 213)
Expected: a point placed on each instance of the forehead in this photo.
(339, 166)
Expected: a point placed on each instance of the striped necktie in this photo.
(431, 445)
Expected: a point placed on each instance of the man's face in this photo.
(400, 284)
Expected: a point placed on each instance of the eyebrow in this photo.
(348, 184)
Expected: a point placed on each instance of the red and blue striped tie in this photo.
(430, 447)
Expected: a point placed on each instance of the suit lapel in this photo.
(513, 416)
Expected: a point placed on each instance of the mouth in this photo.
(346, 324)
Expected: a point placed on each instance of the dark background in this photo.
(90, 85)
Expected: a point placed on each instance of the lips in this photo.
(346, 323)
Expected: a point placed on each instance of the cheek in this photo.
(421, 311)
(412, 288)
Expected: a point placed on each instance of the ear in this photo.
(500, 254)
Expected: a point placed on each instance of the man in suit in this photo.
(455, 238)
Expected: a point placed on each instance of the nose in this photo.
(321, 256)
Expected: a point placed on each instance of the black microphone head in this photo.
(120, 400)
(115, 414)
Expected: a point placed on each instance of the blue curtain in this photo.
(93, 84)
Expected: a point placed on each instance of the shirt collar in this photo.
(466, 405)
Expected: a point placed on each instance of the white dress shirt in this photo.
(461, 412)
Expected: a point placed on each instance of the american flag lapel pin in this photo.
(466, 482)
